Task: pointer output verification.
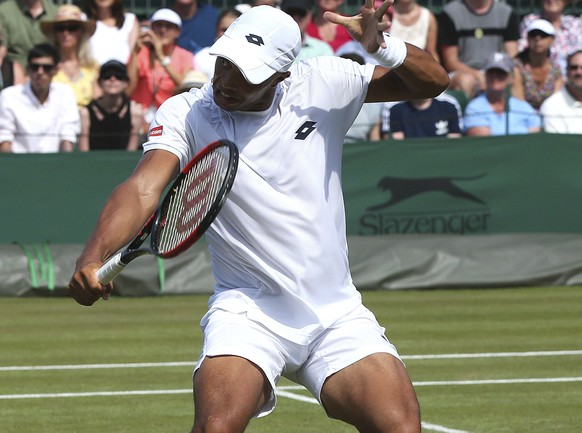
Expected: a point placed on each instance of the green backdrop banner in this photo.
(468, 186)
(57, 197)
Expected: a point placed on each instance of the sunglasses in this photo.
(574, 67)
(535, 33)
(35, 67)
(117, 75)
(68, 28)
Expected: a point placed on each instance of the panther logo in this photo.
(402, 189)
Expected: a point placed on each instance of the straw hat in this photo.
(68, 14)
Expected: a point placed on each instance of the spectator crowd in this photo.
(92, 76)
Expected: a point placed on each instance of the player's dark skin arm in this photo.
(419, 77)
(127, 209)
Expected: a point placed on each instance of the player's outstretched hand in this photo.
(367, 26)
(84, 286)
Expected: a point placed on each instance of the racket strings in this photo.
(193, 199)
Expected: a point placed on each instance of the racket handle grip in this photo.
(110, 269)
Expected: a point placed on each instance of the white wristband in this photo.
(393, 55)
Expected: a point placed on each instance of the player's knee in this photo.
(214, 424)
(400, 419)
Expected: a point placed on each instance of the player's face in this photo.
(232, 92)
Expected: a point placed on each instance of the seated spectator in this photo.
(39, 116)
(300, 10)
(10, 72)
(193, 80)
(112, 121)
(568, 30)
(366, 126)
(204, 61)
(536, 75)
(562, 112)
(21, 22)
(495, 112)
(198, 24)
(69, 31)
(469, 32)
(158, 65)
(320, 28)
(416, 25)
(432, 117)
(116, 32)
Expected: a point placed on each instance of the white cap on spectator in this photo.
(543, 26)
(262, 41)
(166, 15)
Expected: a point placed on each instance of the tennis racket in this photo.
(187, 210)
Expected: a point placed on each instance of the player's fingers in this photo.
(382, 9)
(82, 289)
(107, 291)
(335, 18)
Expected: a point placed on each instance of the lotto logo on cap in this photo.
(262, 41)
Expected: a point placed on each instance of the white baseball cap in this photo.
(543, 26)
(262, 41)
(166, 15)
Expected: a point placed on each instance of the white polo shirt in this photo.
(279, 246)
(33, 127)
(562, 114)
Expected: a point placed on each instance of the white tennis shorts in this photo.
(350, 339)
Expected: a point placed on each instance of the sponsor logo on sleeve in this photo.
(156, 131)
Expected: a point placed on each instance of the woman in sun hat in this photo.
(69, 31)
(536, 75)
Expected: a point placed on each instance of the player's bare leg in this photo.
(228, 392)
(375, 395)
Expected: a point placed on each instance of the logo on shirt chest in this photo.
(304, 130)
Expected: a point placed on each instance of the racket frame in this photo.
(117, 262)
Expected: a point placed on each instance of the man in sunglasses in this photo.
(39, 116)
(562, 111)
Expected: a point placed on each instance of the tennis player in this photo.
(284, 303)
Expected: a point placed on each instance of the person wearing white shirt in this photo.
(562, 111)
(39, 116)
(284, 302)
(116, 32)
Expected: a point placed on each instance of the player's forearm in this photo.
(122, 217)
(129, 206)
(421, 75)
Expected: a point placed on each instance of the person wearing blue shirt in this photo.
(198, 24)
(432, 117)
(495, 112)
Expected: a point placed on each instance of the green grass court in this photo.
(483, 361)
